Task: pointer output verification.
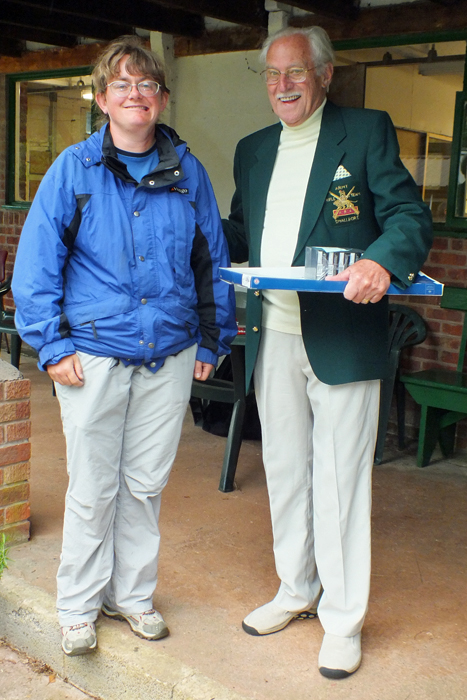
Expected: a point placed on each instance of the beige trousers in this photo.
(318, 448)
(122, 431)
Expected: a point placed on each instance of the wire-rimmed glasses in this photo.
(146, 88)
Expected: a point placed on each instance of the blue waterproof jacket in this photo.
(122, 269)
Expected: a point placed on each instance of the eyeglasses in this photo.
(146, 88)
(295, 74)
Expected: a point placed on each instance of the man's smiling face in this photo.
(295, 102)
(133, 113)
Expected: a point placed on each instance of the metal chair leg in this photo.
(232, 448)
(387, 386)
(15, 350)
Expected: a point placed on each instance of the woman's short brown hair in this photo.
(141, 61)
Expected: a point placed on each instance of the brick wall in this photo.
(15, 452)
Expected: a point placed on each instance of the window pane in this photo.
(51, 114)
(417, 85)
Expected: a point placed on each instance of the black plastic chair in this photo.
(406, 328)
(230, 392)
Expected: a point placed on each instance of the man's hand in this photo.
(202, 370)
(67, 371)
(367, 281)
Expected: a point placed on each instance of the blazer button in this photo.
(411, 276)
(256, 293)
(255, 329)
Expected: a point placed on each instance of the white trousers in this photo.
(122, 431)
(318, 449)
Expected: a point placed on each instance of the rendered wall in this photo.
(422, 103)
(219, 99)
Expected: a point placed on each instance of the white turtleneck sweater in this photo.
(284, 206)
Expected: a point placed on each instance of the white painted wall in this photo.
(413, 101)
(217, 100)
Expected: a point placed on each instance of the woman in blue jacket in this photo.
(116, 286)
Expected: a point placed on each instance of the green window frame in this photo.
(13, 148)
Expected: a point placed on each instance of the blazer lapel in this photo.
(329, 153)
(260, 177)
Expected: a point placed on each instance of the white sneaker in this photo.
(148, 625)
(271, 618)
(79, 639)
(339, 656)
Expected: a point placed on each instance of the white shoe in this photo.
(339, 656)
(147, 625)
(271, 618)
(79, 639)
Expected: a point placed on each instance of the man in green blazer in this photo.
(323, 176)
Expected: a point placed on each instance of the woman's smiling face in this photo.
(132, 114)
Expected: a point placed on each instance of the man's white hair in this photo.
(318, 40)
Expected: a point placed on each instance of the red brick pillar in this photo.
(15, 451)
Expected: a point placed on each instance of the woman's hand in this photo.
(67, 371)
(202, 370)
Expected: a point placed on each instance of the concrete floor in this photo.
(22, 678)
(216, 565)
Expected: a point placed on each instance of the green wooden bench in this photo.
(441, 393)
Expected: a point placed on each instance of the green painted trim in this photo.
(57, 73)
(10, 149)
(399, 40)
(452, 221)
(11, 80)
(455, 156)
(17, 206)
(446, 231)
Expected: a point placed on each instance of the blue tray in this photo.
(293, 278)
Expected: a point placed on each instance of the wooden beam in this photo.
(52, 59)
(393, 20)
(221, 41)
(54, 21)
(335, 9)
(11, 47)
(41, 36)
(136, 13)
(250, 13)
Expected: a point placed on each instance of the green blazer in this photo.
(357, 156)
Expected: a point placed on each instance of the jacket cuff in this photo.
(52, 353)
(205, 355)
